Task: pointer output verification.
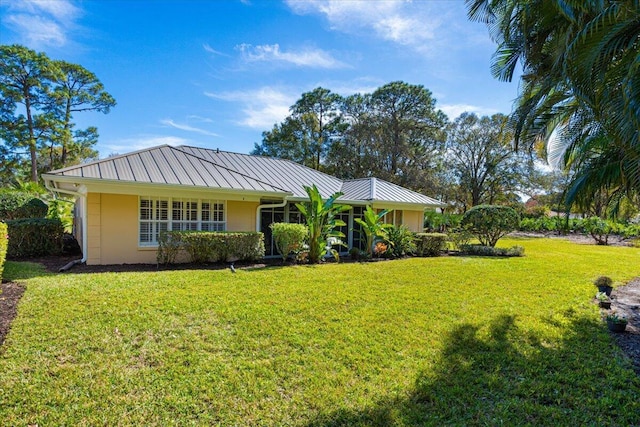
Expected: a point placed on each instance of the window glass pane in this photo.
(162, 211)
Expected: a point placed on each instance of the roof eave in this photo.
(101, 181)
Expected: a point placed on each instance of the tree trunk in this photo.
(32, 138)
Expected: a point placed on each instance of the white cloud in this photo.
(402, 22)
(315, 58)
(454, 110)
(209, 49)
(127, 145)
(41, 22)
(187, 128)
(262, 107)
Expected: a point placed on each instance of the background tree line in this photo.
(396, 133)
(40, 98)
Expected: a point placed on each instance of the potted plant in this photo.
(604, 284)
(616, 323)
(604, 300)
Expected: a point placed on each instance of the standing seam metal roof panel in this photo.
(177, 167)
(123, 169)
(152, 168)
(357, 189)
(277, 172)
(138, 169)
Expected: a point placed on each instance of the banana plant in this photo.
(321, 219)
(373, 226)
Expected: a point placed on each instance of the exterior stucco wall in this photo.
(241, 216)
(414, 220)
(113, 228)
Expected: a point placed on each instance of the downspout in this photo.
(49, 185)
(272, 205)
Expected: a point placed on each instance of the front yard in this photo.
(423, 341)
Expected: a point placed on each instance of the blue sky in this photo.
(218, 73)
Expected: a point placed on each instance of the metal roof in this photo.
(202, 167)
(285, 174)
(167, 165)
(388, 192)
(378, 190)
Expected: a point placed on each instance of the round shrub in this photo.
(430, 244)
(489, 223)
(19, 205)
(289, 238)
(30, 237)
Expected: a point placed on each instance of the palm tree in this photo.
(580, 92)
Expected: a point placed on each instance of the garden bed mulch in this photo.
(10, 294)
(625, 300)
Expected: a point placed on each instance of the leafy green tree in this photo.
(373, 226)
(580, 89)
(321, 220)
(77, 90)
(306, 135)
(408, 136)
(40, 98)
(351, 155)
(481, 157)
(490, 223)
(25, 79)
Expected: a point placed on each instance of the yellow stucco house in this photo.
(124, 202)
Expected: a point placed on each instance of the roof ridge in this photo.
(227, 168)
(406, 189)
(266, 157)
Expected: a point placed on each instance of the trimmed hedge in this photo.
(490, 222)
(205, 246)
(482, 250)
(4, 242)
(430, 244)
(31, 237)
(289, 238)
(18, 205)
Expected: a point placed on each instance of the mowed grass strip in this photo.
(423, 341)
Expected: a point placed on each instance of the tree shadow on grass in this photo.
(501, 375)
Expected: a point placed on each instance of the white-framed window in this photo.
(157, 214)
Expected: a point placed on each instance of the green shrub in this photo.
(18, 205)
(31, 237)
(402, 242)
(430, 244)
(4, 242)
(489, 222)
(459, 237)
(481, 250)
(169, 245)
(536, 212)
(436, 221)
(289, 238)
(357, 254)
(599, 229)
(204, 246)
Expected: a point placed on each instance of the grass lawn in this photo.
(424, 341)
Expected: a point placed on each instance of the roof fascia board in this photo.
(96, 185)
